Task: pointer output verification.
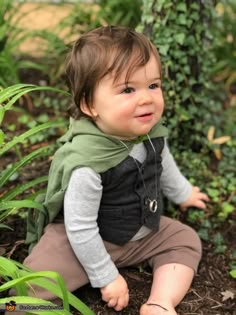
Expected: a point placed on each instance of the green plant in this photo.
(233, 273)
(101, 12)
(182, 31)
(11, 36)
(54, 42)
(83, 18)
(128, 12)
(233, 265)
(20, 278)
(9, 200)
(172, 27)
(225, 49)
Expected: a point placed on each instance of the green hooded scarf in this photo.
(82, 145)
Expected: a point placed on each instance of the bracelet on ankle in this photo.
(154, 304)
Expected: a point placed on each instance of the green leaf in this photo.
(9, 269)
(2, 137)
(180, 38)
(163, 49)
(23, 274)
(233, 273)
(47, 274)
(182, 7)
(182, 19)
(43, 118)
(4, 226)
(29, 133)
(23, 187)
(227, 209)
(6, 175)
(17, 204)
(160, 4)
(195, 6)
(203, 234)
(2, 113)
(10, 91)
(16, 91)
(213, 192)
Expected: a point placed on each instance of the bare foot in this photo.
(156, 309)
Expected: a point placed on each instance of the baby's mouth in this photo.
(145, 117)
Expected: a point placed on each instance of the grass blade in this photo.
(17, 204)
(23, 187)
(29, 133)
(47, 274)
(14, 92)
(41, 152)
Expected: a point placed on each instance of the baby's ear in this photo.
(88, 110)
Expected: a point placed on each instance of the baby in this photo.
(108, 177)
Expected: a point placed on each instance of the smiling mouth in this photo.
(146, 114)
(145, 117)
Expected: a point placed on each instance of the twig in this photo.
(17, 243)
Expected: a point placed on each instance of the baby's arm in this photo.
(81, 205)
(176, 187)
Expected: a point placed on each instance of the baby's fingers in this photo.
(204, 197)
(122, 302)
(201, 201)
(112, 302)
(200, 204)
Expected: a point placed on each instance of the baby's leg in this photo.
(170, 284)
(173, 268)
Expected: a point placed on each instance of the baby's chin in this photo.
(132, 137)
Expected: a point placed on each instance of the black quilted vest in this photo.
(124, 205)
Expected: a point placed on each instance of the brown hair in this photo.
(102, 51)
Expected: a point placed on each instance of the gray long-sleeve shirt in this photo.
(81, 205)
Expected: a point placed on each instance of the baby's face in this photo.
(128, 110)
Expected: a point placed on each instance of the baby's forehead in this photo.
(123, 72)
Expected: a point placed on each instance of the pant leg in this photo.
(53, 252)
(180, 244)
(174, 242)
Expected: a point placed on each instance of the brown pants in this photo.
(173, 243)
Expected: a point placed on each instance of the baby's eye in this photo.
(154, 86)
(128, 90)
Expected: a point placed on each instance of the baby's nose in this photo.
(145, 98)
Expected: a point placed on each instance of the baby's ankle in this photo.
(157, 307)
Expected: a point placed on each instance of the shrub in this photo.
(20, 278)
(11, 36)
(9, 199)
(182, 31)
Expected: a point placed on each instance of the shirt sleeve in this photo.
(174, 184)
(81, 205)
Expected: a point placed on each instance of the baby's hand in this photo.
(116, 293)
(197, 199)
